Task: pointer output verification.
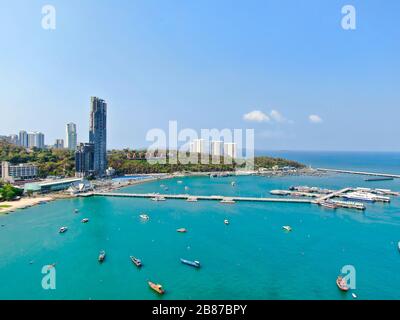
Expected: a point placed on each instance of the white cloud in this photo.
(278, 117)
(315, 118)
(256, 116)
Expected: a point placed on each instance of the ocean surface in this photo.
(252, 258)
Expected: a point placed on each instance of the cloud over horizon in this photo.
(315, 118)
(256, 116)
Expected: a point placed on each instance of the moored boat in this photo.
(341, 283)
(63, 229)
(398, 245)
(85, 220)
(158, 198)
(329, 205)
(181, 230)
(195, 264)
(102, 256)
(137, 262)
(156, 287)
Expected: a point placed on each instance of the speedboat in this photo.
(181, 230)
(102, 256)
(226, 221)
(398, 245)
(329, 205)
(136, 261)
(63, 229)
(144, 217)
(156, 287)
(287, 228)
(195, 264)
(85, 220)
(341, 283)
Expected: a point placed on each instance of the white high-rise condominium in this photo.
(197, 146)
(23, 139)
(230, 150)
(72, 136)
(36, 139)
(216, 148)
(13, 138)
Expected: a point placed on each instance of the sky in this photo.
(286, 69)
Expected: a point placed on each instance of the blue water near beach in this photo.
(252, 258)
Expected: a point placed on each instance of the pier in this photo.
(189, 197)
(374, 174)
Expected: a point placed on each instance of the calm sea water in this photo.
(252, 258)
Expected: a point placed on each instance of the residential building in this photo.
(230, 150)
(72, 136)
(84, 160)
(36, 139)
(216, 148)
(23, 139)
(59, 144)
(13, 138)
(197, 146)
(98, 134)
(17, 172)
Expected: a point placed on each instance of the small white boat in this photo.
(287, 228)
(76, 210)
(144, 217)
(186, 188)
(158, 199)
(398, 245)
(233, 183)
(63, 229)
(86, 220)
(180, 182)
(226, 221)
(227, 201)
(191, 199)
(354, 295)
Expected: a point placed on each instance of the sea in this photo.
(251, 258)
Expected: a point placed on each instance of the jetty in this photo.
(374, 174)
(190, 197)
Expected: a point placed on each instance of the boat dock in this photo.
(198, 198)
(374, 174)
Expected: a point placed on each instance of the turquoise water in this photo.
(252, 258)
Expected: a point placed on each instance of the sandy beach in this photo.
(9, 206)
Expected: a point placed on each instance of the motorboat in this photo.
(144, 217)
(102, 256)
(329, 205)
(76, 210)
(226, 221)
(233, 183)
(227, 201)
(63, 229)
(156, 287)
(191, 199)
(398, 245)
(158, 198)
(287, 228)
(86, 220)
(341, 283)
(195, 264)
(181, 230)
(137, 262)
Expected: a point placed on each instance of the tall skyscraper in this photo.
(98, 134)
(72, 136)
(23, 139)
(36, 139)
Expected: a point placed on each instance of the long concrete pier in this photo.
(187, 196)
(374, 174)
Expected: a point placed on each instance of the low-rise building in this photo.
(18, 172)
(52, 185)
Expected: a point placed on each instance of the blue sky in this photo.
(206, 64)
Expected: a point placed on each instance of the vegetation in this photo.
(53, 162)
(9, 193)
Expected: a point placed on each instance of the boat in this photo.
(158, 198)
(354, 295)
(63, 229)
(76, 210)
(186, 188)
(359, 196)
(102, 255)
(179, 181)
(195, 264)
(226, 221)
(137, 262)
(341, 283)
(233, 183)
(227, 201)
(280, 192)
(191, 199)
(181, 230)
(85, 220)
(287, 228)
(378, 179)
(144, 217)
(156, 287)
(329, 205)
(398, 245)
